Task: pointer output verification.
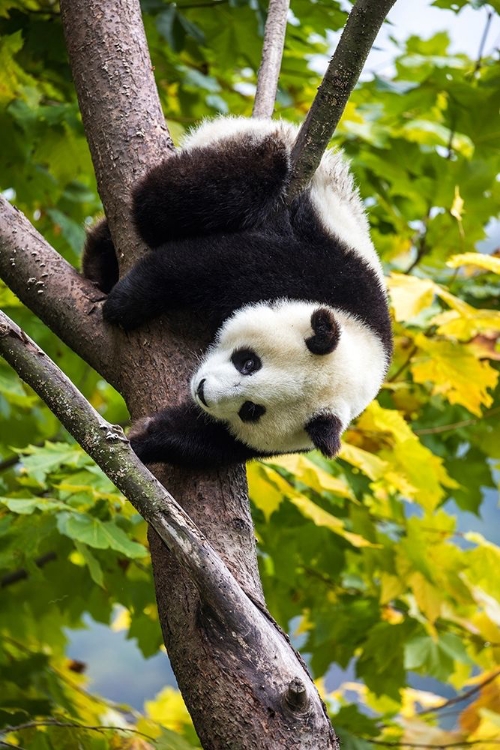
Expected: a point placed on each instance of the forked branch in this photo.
(361, 29)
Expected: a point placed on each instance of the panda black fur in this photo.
(294, 295)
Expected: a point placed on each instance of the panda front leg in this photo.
(162, 280)
(185, 436)
(202, 274)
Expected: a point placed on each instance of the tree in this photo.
(229, 528)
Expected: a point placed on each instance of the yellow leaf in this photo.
(412, 468)
(410, 295)
(263, 490)
(488, 262)
(428, 598)
(488, 604)
(391, 587)
(323, 518)
(312, 475)
(454, 302)
(271, 488)
(168, 709)
(376, 469)
(457, 207)
(483, 561)
(454, 373)
(464, 326)
(368, 463)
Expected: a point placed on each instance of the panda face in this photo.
(274, 367)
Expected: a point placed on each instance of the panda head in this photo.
(288, 376)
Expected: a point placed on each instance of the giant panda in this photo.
(293, 293)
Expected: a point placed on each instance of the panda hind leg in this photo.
(141, 295)
(223, 187)
(99, 261)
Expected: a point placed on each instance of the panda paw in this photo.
(119, 309)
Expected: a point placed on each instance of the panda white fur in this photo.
(294, 294)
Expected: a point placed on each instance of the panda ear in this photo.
(325, 430)
(326, 332)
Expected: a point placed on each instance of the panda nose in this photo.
(200, 393)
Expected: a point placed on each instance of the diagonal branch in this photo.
(111, 450)
(228, 610)
(53, 290)
(272, 52)
(357, 39)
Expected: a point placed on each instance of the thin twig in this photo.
(73, 724)
(456, 425)
(422, 246)
(357, 39)
(463, 697)
(405, 364)
(20, 575)
(272, 52)
(482, 44)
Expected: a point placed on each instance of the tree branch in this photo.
(343, 71)
(272, 52)
(228, 611)
(110, 449)
(53, 290)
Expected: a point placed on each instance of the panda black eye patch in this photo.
(251, 412)
(246, 361)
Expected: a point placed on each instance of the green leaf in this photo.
(39, 462)
(26, 506)
(72, 232)
(98, 534)
(435, 656)
(93, 565)
(170, 27)
(13, 390)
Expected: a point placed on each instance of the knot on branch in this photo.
(296, 697)
(113, 432)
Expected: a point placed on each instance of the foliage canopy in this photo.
(367, 559)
